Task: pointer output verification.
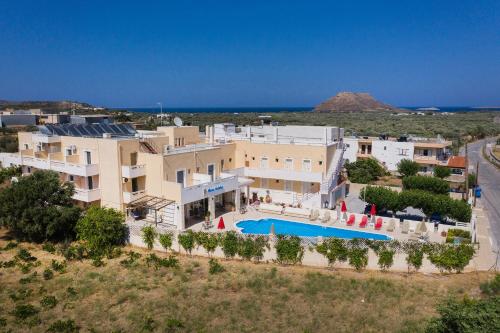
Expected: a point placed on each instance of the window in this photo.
(26, 146)
(288, 164)
(221, 165)
(264, 162)
(306, 165)
(69, 151)
(403, 152)
(211, 170)
(133, 158)
(181, 177)
(288, 185)
(71, 178)
(88, 157)
(385, 147)
(90, 182)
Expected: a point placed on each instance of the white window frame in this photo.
(304, 164)
(85, 156)
(71, 180)
(267, 162)
(285, 163)
(215, 170)
(184, 180)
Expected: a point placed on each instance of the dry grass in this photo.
(246, 297)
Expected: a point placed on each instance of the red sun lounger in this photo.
(351, 219)
(364, 221)
(378, 224)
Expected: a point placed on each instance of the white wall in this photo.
(388, 152)
(351, 149)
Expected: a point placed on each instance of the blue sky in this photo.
(250, 53)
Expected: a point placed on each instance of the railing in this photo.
(133, 171)
(204, 190)
(128, 197)
(333, 170)
(87, 195)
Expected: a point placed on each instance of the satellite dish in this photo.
(178, 121)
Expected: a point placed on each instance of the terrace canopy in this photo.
(150, 203)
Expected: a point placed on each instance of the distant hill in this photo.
(45, 105)
(353, 102)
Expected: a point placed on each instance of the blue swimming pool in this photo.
(284, 227)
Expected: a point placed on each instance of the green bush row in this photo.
(426, 183)
(429, 203)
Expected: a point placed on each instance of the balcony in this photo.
(37, 137)
(422, 159)
(84, 170)
(8, 159)
(301, 176)
(87, 195)
(128, 197)
(133, 171)
(222, 184)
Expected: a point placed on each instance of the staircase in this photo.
(333, 170)
(148, 147)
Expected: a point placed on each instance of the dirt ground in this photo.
(246, 297)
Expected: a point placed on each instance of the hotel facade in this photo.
(175, 175)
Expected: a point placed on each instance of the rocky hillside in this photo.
(353, 102)
(46, 105)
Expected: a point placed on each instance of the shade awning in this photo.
(150, 202)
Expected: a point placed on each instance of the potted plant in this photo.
(207, 216)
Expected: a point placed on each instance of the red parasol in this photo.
(221, 225)
(373, 210)
(344, 208)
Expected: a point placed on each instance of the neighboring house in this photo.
(428, 152)
(91, 119)
(174, 175)
(13, 120)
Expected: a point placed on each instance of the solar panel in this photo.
(87, 130)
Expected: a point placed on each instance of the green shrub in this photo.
(173, 325)
(451, 258)
(382, 197)
(215, 267)
(187, 241)
(157, 262)
(132, 258)
(491, 288)
(149, 235)
(25, 255)
(289, 249)
(63, 326)
(58, 266)
(414, 255)
(165, 240)
(408, 168)
(49, 247)
(102, 229)
(209, 241)
(364, 170)
(441, 171)
(426, 183)
(229, 243)
(23, 311)
(3, 322)
(334, 249)
(467, 316)
(48, 302)
(385, 258)
(48, 274)
(358, 256)
(452, 233)
(10, 246)
(29, 279)
(252, 247)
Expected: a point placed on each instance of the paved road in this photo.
(489, 180)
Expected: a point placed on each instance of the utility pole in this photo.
(161, 113)
(466, 173)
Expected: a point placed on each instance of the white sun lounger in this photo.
(326, 217)
(269, 208)
(297, 212)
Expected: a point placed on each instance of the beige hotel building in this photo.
(175, 175)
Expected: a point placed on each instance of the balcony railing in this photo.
(133, 171)
(302, 176)
(86, 195)
(128, 197)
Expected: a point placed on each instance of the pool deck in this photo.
(230, 219)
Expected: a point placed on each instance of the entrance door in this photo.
(306, 187)
(211, 171)
(88, 157)
(180, 177)
(90, 182)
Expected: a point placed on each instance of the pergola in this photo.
(150, 202)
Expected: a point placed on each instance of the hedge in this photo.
(426, 183)
(429, 203)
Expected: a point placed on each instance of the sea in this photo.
(237, 110)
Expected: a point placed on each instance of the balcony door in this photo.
(88, 157)
(288, 185)
(90, 183)
(288, 164)
(211, 171)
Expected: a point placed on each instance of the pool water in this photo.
(284, 227)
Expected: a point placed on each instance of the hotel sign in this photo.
(215, 188)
